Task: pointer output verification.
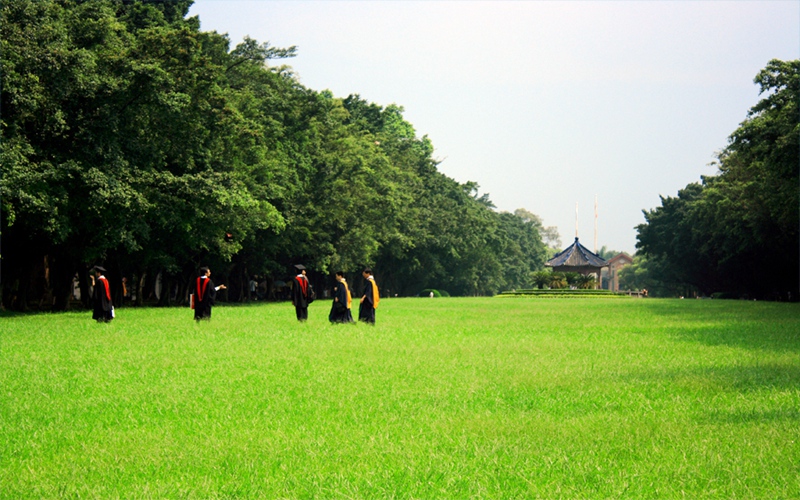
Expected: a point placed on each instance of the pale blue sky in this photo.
(544, 104)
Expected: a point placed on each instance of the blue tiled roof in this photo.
(576, 255)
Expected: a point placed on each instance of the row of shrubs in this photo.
(563, 293)
(535, 292)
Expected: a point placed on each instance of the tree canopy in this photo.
(736, 232)
(133, 139)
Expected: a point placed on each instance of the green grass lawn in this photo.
(444, 398)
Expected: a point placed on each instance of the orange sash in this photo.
(375, 295)
(347, 291)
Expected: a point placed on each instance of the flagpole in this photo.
(595, 223)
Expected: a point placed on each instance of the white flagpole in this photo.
(595, 223)
(576, 220)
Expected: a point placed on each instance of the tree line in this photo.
(132, 139)
(735, 234)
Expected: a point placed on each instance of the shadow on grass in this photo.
(4, 313)
(737, 378)
(772, 326)
(10, 313)
(752, 389)
(745, 416)
(732, 394)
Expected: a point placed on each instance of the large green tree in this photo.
(737, 232)
(117, 130)
(133, 139)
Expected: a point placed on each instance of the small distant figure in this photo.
(253, 285)
(431, 295)
(370, 299)
(342, 300)
(205, 294)
(101, 297)
(302, 293)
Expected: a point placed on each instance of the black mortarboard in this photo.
(99, 268)
(299, 267)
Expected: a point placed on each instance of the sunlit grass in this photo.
(444, 398)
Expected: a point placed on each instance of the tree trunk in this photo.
(166, 290)
(61, 272)
(140, 289)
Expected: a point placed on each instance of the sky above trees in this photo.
(543, 104)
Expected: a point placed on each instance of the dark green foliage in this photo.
(133, 139)
(563, 293)
(737, 232)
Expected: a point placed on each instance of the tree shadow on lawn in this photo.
(770, 326)
(754, 382)
(753, 415)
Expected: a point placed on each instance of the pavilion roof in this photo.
(576, 255)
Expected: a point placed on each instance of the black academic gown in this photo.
(340, 309)
(204, 296)
(300, 296)
(366, 311)
(101, 299)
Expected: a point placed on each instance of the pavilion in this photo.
(576, 258)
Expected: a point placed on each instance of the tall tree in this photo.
(132, 138)
(733, 231)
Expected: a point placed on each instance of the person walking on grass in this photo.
(370, 298)
(205, 294)
(302, 293)
(101, 297)
(342, 300)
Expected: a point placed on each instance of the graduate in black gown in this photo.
(370, 299)
(301, 293)
(205, 294)
(101, 297)
(342, 300)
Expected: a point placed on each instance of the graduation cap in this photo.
(99, 268)
(299, 267)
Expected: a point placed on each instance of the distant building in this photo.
(615, 264)
(576, 258)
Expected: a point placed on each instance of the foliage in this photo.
(645, 274)
(572, 278)
(133, 139)
(541, 278)
(737, 232)
(564, 293)
(549, 234)
(586, 281)
(557, 280)
(606, 253)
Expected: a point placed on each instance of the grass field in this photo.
(444, 398)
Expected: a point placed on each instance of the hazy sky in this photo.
(543, 104)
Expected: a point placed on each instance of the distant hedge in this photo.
(563, 293)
